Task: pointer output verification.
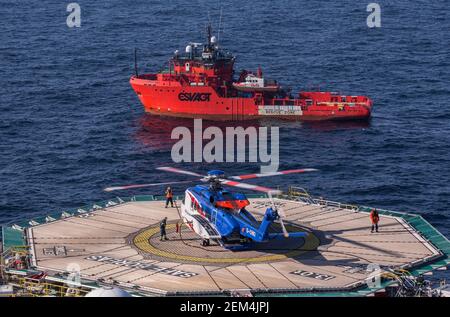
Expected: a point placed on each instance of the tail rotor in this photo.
(281, 214)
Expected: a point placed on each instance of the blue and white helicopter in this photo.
(215, 213)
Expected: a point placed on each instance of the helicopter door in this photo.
(214, 216)
(214, 219)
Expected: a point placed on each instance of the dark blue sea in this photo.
(71, 125)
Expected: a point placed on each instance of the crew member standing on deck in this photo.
(169, 197)
(374, 218)
(162, 229)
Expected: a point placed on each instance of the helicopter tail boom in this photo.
(261, 233)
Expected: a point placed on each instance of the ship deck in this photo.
(119, 244)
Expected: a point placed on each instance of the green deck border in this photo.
(12, 237)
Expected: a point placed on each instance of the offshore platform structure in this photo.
(332, 259)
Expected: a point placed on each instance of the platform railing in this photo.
(300, 194)
(36, 287)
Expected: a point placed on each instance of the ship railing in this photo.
(147, 76)
(184, 80)
(284, 102)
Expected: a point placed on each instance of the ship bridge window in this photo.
(309, 102)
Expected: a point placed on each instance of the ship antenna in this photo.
(220, 22)
(208, 29)
(135, 62)
(209, 17)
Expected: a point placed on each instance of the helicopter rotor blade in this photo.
(178, 170)
(294, 171)
(248, 186)
(110, 189)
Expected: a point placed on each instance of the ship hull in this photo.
(221, 117)
(175, 100)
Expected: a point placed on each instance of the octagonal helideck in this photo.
(120, 245)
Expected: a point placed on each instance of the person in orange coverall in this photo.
(374, 218)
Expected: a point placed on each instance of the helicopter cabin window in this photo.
(227, 195)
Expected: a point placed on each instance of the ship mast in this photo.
(208, 34)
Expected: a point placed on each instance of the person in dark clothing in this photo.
(162, 229)
(169, 197)
(374, 218)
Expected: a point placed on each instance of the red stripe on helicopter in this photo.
(248, 186)
(249, 176)
(198, 208)
(177, 170)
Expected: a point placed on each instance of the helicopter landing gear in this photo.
(206, 242)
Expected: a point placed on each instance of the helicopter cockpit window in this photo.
(226, 195)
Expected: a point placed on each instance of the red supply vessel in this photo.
(200, 83)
